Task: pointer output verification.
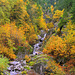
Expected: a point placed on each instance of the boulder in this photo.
(32, 72)
(14, 63)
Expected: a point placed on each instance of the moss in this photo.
(24, 72)
(3, 64)
(27, 67)
(31, 63)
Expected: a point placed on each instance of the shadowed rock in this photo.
(32, 72)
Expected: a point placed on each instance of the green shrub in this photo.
(3, 64)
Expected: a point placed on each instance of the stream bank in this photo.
(20, 66)
(38, 61)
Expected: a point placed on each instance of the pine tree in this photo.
(73, 11)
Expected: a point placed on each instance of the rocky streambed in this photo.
(20, 67)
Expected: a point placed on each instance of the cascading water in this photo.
(16, 67)
(37, 46)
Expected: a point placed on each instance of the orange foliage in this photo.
(27, 58)
(33, 38)
(69, 64)
(55, 46)
(10, 37)
(58, 14)
(50, 25)
(70, 67)
(7, 52)
(52, 9)
(42, 23)
(70, 39)
(54, 68)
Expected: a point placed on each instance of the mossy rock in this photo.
(31, 63)
(24, 72)
(27, 67)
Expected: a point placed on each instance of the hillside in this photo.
(37, 37)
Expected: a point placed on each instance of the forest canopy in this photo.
(21, 21)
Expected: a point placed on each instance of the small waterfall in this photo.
(43, 37)
(37, 46)
(16, 67)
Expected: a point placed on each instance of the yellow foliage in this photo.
(50, 25)
(58, 14)
(55, 46)
(55, 68)
(33, 38)
(52, 9)
(21, 0)
(62, 47)
(54, 3)
(11, 36)
(47, 16)
(42, 23)
(7, 52)
(58, 30)
(69, 37)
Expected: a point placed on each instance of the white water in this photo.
(36, 46)
(35, 51)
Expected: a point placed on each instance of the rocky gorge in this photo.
(21, 67)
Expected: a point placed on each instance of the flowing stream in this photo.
(16, 67)
(38, 45)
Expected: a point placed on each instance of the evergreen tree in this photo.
(73, 11)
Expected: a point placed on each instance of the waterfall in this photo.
(16, 67)
(37, 46)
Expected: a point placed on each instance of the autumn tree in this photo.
(54, 68)
(69, 36)
(73, 10)
(63, 20)
(11, 37)
(56, 47)
(58, 14)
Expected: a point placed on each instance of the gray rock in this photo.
(42, 33)
(10, 68)
(14, 63)
(15, 73)
(24, 62)
(39, 37)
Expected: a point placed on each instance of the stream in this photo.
(16, 67)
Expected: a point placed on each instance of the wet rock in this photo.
(23, 62)
(31, 55)
(43, 37)
(15, 73)
(39, 68)
(42, 33)
(39, 37)
(14, 63)
(10, 68)
(19, 67)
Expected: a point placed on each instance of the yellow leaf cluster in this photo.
(69, 37)
(58, 14)
(52, 9)
(42, 23)
(11, 36)
(33, 38)
(7, 52)
(50, 25)
(55, 46)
